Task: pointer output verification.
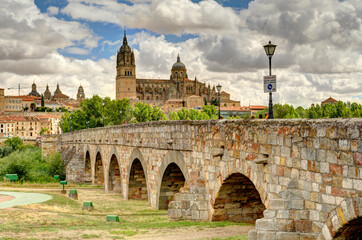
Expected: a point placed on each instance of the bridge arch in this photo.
(237, 200)
(99, 169)
(87, 167)
(344, 222)
(172, 177)
(114, 175)
(137, 177)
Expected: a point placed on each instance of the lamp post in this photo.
(269, 50)
(103, 103)
(70, 123)
(87, 124)
(218, 88)
(121, 116)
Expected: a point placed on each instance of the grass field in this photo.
(63, 218)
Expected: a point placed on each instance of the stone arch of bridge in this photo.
(114, 171)
(87, 166)
(172, 162)
(343, 222)
(137, 177)
(98, 169)
(237, 199)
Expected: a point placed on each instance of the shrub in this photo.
(31, 166)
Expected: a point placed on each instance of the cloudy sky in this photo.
(73, 42)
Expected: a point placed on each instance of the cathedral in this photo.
(176, 92)
(58, 95)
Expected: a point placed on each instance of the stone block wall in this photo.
(305, 171)
(50, 144)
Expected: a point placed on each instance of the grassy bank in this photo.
(63, 218)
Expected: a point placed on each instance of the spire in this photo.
(178, 58)
(124, 38)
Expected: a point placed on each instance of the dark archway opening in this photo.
(352, 230)
(114, 182)
(137, 188)
(238, 201)
(98, 171)
(172, 181)
(87, 169)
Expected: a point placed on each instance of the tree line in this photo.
(116, 112)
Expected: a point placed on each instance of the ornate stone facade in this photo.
(159, 91)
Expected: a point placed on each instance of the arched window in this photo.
(181, 75)
(131, 73)
(176, 75)
(148, 98)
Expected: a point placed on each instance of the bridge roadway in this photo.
(297, 179)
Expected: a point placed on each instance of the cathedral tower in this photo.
(126, 72)
(80, 94)
(47, 93)
(178, 76)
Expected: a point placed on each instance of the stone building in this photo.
(33, 91)
(58, 95)
(160, 91)
(47, 93)
(80, 94)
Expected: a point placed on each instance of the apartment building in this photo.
(13, 104)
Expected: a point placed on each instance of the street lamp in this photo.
(121, 116)
(70, 123)
(103, 103)
(218, 87)
(269, 50)
(87, 124)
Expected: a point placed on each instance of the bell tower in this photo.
(126, 72)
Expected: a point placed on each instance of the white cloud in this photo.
(164, 17)
(53, 10)
(318, 53)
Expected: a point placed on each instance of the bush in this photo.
(31, 166)
(5, 151)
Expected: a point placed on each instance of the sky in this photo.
(75, 42)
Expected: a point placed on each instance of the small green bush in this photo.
(5, 151)
(31, 166)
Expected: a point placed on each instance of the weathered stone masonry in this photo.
(305, 173)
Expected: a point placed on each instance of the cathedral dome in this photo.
(178, 64)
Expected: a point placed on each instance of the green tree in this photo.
(210, 110)
(43, 130)
(143, 113)
(42, 101)
(15, 143)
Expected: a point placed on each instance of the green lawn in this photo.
(63, 218)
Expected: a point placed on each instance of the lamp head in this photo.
(270, 49)
(218, 88)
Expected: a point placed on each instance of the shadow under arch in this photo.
(238, 200)
(348, 220)
(98, 170)
(87, 167)
(114, 175)
(137, 177)
(172, 177)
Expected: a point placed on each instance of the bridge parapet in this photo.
(302, 176)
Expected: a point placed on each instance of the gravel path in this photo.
(11, 199)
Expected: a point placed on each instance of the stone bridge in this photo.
(297, 179)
